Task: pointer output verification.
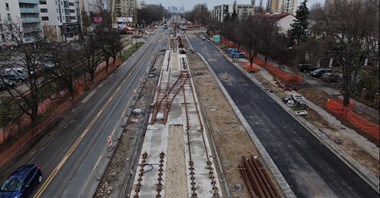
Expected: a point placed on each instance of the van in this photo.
(18, 72)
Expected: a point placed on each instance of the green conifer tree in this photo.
(298, 31)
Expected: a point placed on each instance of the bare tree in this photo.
(27, 53)
(62, 63)
(268, 30)
(199, 14)
(248, 35)
(92, 54)
(115, 44)
(102, 9)
(151, 13)
(352, 37)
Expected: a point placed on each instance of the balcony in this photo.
(31, 20)
(29, 10)
(31, 30)
(29, 1)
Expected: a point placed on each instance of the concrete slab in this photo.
(181, 144)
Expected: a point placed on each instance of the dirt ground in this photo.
(337, 135)
(319, 98)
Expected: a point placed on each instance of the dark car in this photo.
(5, 82)
(331, 77)
(319, 72)
(21, 182)
(306, 67)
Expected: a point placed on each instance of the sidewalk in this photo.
(359, 108)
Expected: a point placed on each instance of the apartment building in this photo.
(60, 19)
(25, 14)
(242, 10)
(124, 8)
(284, 6)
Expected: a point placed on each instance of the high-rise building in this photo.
(124, 9)
(25, 14)
(181, 9)
(284, 6)
(220, 12)
(140, 4)
(61, 19)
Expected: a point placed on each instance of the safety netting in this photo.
(369, 128)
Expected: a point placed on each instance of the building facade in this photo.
(21, 14)
(220, 12)
(284, 21)
(56, 20)
(125, 9)
(60, 19)
(284, 6)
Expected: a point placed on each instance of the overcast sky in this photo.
(189, 4)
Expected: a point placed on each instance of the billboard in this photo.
(98, 19)
(124, 19)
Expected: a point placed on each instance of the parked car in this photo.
(9, 77)
(19, 73)
(5, 81)
(21, 182)
(331, 77)
(306, 67)
(319, 72)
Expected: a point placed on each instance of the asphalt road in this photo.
(76, 155)
(308, 166)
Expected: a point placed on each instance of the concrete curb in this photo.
(360, 170)
(264, 154)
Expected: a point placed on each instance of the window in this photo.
(45, 18)
(43, 2)
(44, 10)
(7, 6)
(9, 17)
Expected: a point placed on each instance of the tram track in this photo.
(201, 131)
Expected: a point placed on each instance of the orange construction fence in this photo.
(79, 87)
(275, 71)
(336, 106)
(283, 75)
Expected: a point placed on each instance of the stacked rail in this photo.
(257, 180)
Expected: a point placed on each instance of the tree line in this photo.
(151, 13)
(52, 66)
(344, 33)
